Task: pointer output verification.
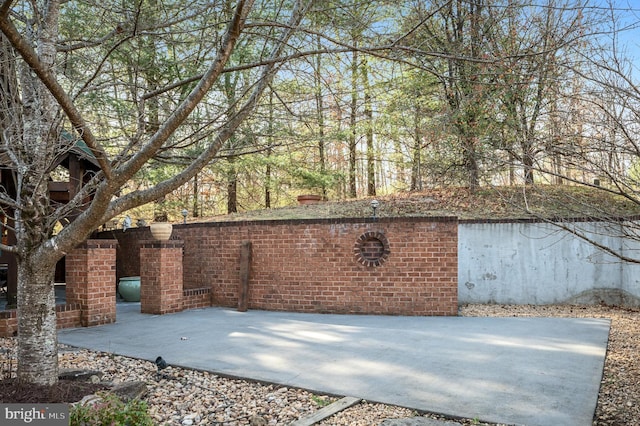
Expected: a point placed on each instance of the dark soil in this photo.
(12, 391)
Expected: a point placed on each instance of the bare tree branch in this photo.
(49, 80)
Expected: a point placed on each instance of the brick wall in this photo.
(323, 265)
(8, 323)
(91, 281)
(68, 316)
(196, 298)
(161, 276)
(90, 289)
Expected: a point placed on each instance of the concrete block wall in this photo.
(529, 262)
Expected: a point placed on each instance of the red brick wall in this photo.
(91, 281)
(67, 315)
(161, 275)
(8, 323)
(313, 265)
(196, 298)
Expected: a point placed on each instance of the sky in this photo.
(629, 13)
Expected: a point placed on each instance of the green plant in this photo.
(111, 411)
(321, 401)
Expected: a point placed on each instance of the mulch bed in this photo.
(12, 391)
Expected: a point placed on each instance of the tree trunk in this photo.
(368, 114)
(352, 125)
(267, 182)
(527, 161)
(232, 186)
(470, 158)
(267, 172)
(416, 157)
(320, 116)
(37, 336)
(196, 195)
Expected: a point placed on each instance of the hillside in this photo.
(486, 203)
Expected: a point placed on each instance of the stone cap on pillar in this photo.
(162, 244)
(98, 244)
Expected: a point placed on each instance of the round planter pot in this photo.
(309, 199)
(129, 289)
(161, 230)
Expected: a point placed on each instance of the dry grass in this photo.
(488, 203)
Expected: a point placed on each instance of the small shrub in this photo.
(111, 411)
(321, 401)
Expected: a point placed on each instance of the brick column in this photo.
(161, 276)
(91, 281)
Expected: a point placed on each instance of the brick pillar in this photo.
(91, 281)
(161, 276)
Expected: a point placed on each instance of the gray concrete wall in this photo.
(537, 263)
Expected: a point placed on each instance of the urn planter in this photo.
(161, 230)
(129, 289)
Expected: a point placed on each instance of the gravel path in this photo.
(186, 397)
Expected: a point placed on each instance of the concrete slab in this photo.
(532, 371)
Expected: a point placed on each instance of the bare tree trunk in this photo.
(37, 337)
(267, 182)
(232, 187)
(416, 156)
(320, 117)
(527, 162)
(368, 115)
(196, 195)
(470, 158)
(232, 174)
(352, 125)
(267, 177)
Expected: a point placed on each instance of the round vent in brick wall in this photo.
(372, 248)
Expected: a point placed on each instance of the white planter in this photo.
(161, 230)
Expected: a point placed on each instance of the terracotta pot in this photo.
(161, 230)
(309, 199)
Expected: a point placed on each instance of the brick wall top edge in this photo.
(113, 233)
(162, 244)
(330, 221)
(99, 243)
(105, 235)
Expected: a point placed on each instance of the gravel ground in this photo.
(186, 397)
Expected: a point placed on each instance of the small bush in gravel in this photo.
(110, 410)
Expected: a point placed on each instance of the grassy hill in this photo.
(486, 203)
